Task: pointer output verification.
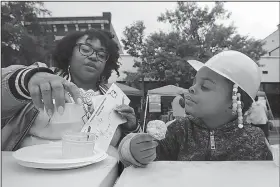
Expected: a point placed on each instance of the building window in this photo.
(77, 27)
(54, 28)
(265, 72)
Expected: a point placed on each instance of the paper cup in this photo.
(78, 145)
(275, 153)
(72, 113)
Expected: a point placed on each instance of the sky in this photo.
(256, 19)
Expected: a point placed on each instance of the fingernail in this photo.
(60, 110)
(79, 100)
(50, 113)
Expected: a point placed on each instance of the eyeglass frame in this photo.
(93, 51)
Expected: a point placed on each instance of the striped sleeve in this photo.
(18, 81)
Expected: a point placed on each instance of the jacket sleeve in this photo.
(124, 152)
(169, 147)
(14, 84)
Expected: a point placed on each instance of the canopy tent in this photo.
(166, 91)
(130, 91)
(169, 90)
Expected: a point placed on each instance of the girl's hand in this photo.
(127, 112)
(143, 148)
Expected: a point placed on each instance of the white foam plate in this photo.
(49, 156)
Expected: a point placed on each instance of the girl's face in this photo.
(209, 96)
(88, 59)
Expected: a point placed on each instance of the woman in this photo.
(83, 61)
(266, 116)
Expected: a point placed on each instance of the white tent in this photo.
(169, 90)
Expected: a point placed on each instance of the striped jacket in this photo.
(18, 112)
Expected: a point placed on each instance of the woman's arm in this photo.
(14, 81)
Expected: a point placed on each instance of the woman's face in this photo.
(88, 59)
(209, 96)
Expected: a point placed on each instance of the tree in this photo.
(155, 54)
(196, 35)
(22, 43)
(201, 27)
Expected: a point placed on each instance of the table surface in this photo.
(201, 174)
(102, 174)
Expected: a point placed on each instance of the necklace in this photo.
(86, 97)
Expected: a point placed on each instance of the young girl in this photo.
(223, 90)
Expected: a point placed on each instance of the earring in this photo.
(234, 99)
(236, 105)
(239, 111)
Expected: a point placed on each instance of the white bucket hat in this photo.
(235, 66)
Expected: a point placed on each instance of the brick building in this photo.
(59, 26)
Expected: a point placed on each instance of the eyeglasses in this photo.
(87, 50)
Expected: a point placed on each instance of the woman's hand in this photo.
(44, 87)
(143, 148)
(127, 112)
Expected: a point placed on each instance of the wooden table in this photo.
(102, 174)
(202, 174)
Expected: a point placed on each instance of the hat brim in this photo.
(196, 64)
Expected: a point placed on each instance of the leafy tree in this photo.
(154, 54)
(23, 39)
(200, 25)
(196, 35)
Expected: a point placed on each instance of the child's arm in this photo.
(167, 149)
(124, 151)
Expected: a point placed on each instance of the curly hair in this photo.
(64, 50)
